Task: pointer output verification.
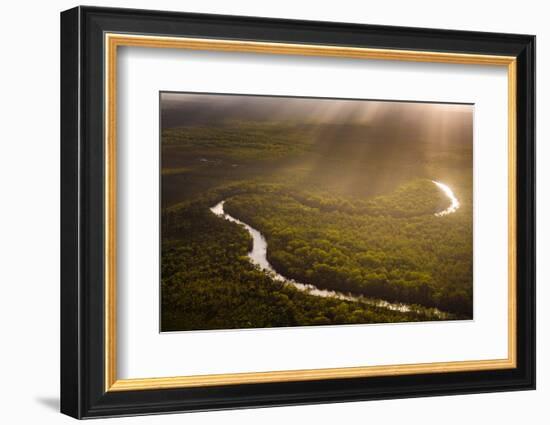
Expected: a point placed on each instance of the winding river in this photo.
(449, 193)
(258, 257)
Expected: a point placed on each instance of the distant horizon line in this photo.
(351, 99)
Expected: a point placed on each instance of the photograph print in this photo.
(292, 211)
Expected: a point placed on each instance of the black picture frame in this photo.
(83, 392)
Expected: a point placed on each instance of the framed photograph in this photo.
(261, 212)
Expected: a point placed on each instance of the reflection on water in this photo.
(454, 202)
(258, 257)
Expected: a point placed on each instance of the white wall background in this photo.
(29, 225)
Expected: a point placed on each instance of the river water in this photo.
(449, 193)
(258, 257)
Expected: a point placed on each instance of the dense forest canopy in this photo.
(344, 195)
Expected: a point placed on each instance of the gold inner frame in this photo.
(113, 41)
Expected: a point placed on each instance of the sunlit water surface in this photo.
(258, 257)
(449, 193)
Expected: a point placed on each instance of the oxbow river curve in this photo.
(258, 257)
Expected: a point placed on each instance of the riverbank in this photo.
(258, 257)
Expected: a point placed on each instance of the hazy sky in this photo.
(426, 119)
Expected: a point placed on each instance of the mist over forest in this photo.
(383, 120)
(344, 193)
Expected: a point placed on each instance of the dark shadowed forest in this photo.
(343, 193)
